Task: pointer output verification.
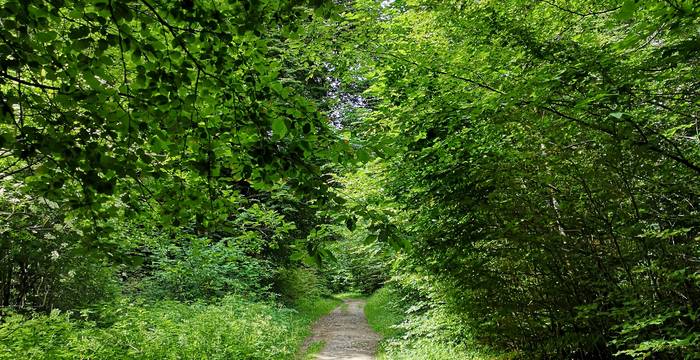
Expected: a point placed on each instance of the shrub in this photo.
(298, 283)
(420, 329)
(204, 269)
(384, 312)
(47, 261)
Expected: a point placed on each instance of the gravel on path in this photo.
(346, 334)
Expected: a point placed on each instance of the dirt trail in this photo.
(346, 334)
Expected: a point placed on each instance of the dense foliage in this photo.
(522, 173)
(128, 120)
(420, 330)
(160, 163)
(547, 153)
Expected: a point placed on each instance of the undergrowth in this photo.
(416, 335)
(231, 328)
(383, 313)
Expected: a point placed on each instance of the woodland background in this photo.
(194, 179)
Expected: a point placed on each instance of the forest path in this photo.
(345, 333)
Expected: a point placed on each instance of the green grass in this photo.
(350, 295)
(232, 328)
(429, 349)
(384, 315)
(313, 350)
(313, 309)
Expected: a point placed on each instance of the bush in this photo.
(295, 284)
(420, 330)
(201, 269)
(47, 261)
(384, 312)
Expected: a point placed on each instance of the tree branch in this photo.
(29, 83)
(679, 158)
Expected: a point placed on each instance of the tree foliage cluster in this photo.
(192, 123)
(546, 155)
(162, 166)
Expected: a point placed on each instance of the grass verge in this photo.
(350, 295)
(383, 314)
(313, 350)
(415, 337)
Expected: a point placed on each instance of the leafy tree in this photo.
(182, 101)
(189, 111)
(546, 154)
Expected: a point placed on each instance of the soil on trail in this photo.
(346, 334)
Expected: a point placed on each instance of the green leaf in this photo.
(279, 89)
(362, 155)
(279, 128)
(371, 238)
(296, 256)
(46, 36)
(94, 83)
(628, 8)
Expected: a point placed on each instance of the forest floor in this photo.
(345, 334)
